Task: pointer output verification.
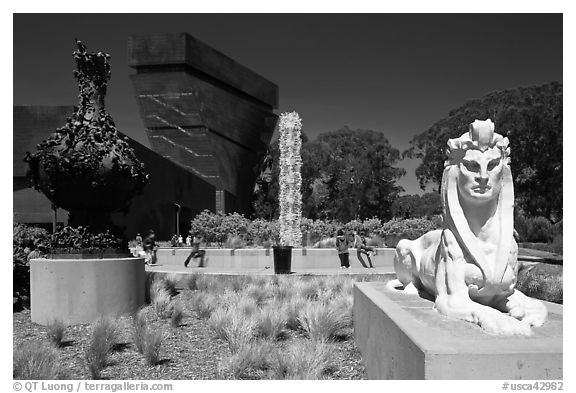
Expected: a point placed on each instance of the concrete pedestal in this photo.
(77, 291)
(400, 336)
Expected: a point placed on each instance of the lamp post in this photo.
(178, 207)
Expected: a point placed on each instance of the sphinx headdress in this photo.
(481, 136)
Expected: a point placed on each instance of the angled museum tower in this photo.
(204, 112)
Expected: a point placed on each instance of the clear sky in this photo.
(395, 73)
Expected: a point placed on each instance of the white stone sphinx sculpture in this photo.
(470, 266)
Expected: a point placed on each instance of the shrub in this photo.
(354, 225)
(56, 332)
(542, 281)
(326, 243)
(27, 243)
(535, 229)
(303, 360)
(35, 360)
(540, 230)
(70, 239)
(262, 232)
(411, 228)
(372, 225)
(320, 229)
(208, 224)
(234, 242)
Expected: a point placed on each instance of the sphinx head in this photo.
(481, 156)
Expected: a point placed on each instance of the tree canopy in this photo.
(417, 206)
(531, 117)
(346, 174)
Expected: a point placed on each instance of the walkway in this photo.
(167, 269)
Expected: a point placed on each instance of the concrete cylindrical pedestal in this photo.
(77, 291)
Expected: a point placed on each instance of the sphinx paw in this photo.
(532, 312)
(495, 322)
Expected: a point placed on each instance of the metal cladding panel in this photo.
(167, 100)
(238, 169)
(180, 100)
(181, 48)
(33, 124)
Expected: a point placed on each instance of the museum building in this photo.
(209, 121)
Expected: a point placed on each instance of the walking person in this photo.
(149, 246)
(342, 245)
(196, 252)
(362, 248)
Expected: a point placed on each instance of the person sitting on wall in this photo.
(149, 246)
(180, 241)
(174, 241)
(362, 248)
(196, 252)
(138, 248)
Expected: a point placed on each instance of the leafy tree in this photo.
(416, 206)
(532, 118)
(346, 174)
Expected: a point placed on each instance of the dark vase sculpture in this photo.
(87, 167)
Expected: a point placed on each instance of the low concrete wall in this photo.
(400, 336)
(261, 258)
(79, 291)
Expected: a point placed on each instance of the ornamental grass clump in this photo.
(258, 293)
(192, 281)
(232, 326)
(152, 345)
(290, 180)
(323, 322)
(102, 340)
(252, 360)
(170, 282)
(270, 322)
(292, 310)
(161, 300)
(56, 331)
(303, 360)
(139, 330)
(177, 315)
(35, 360)
(203, 304)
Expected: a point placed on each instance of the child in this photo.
(342, 246)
